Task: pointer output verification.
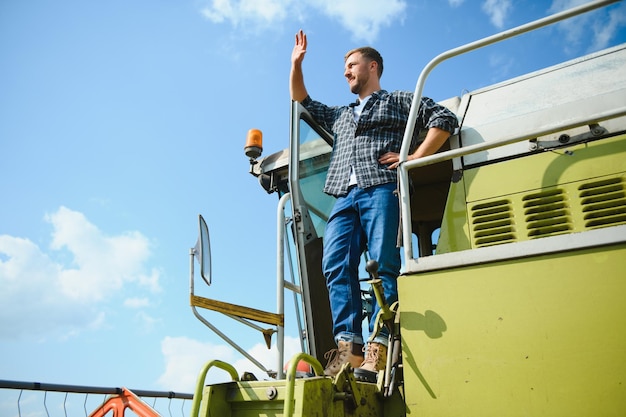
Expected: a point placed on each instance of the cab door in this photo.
(310, 150)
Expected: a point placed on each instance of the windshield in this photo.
(314, 158)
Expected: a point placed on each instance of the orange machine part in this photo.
(118, 403)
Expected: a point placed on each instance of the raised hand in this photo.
(299, 49)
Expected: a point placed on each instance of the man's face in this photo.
(357, 72)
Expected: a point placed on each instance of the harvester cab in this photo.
(535, 177)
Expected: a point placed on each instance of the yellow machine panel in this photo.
(541, 336)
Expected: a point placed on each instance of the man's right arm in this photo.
(296, 77)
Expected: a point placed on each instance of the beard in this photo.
(356, 87)
(359, 82)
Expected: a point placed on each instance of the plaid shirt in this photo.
(380, 129)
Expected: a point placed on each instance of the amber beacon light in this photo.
(254, 144)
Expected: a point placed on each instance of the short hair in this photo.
(371, 54)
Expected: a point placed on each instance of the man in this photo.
(362, 175)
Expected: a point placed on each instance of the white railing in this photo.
(406, 166)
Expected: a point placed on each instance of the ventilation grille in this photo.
(569, 208)
(492, 223)
(603, 203)
(547, 213)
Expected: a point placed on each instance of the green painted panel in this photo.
(537, 337)
(316, 396)
(547, 169)
(537, 196)
(454, 234)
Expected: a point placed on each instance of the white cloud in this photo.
(103, 263)
(256, 12)
(185, 357)
(41, 295)
(455, 3)
(605, 29)
(363, 18)
(602, 23)
(560, 5)
(498, 11)
(571, 28)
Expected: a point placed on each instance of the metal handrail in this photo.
(116, 394)
(280, 281)
(197, 396)
(83, 389)
(316, 367)
(404, 167)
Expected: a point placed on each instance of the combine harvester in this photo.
(517, 309)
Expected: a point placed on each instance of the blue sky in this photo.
(121, 121)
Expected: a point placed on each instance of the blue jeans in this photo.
(363, 219)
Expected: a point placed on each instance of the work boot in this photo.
(375, 360)
(345, 352)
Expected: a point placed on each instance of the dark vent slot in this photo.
(618, 211)
(491, 204)
(494, 232)
(548, 226)
(491, 218)
(604, 197)
(544, 195)
(493, 224)
(586, 189)
(547, 215)
(495, 239)
(607, 221)
(604, 205)
(543, 201)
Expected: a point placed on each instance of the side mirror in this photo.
(202, 250)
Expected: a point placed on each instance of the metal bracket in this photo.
(569, 137)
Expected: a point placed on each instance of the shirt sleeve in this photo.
(433, 114)
(323, 114)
